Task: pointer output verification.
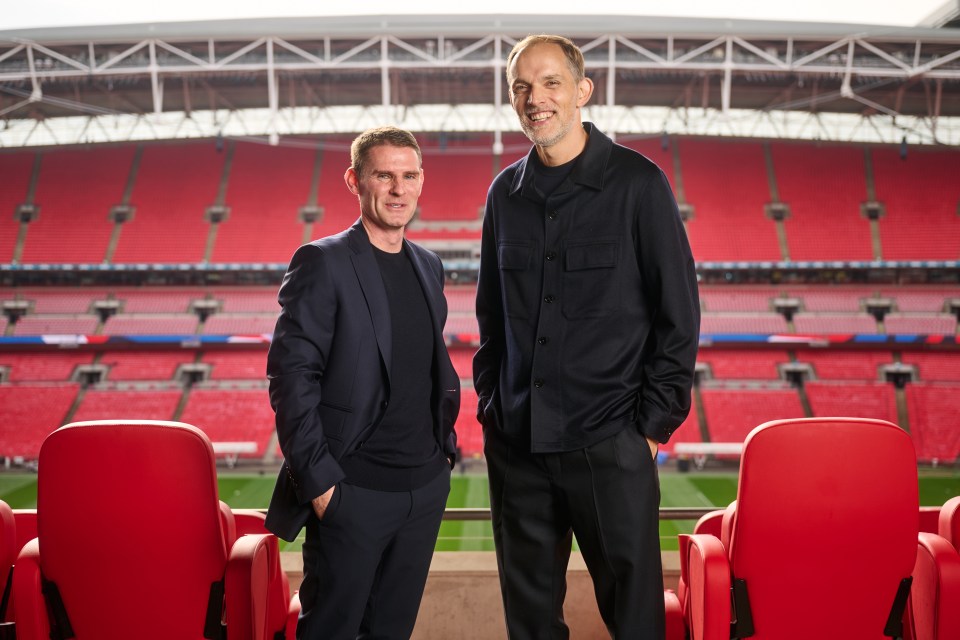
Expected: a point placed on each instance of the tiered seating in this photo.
(232, 415)
(934, 366)
(931, 324)
(865, 399)
(841, 298)
(43, 367)
(834, 323)
(469, 431)
(743, 364)
(461, 298)
(742, 323)
(341, 208)
(823, 186)
(268, 185)
(933, 409)
(240, 324)
(15, 169)
(248, 299)
(30, 413)
(846, 365)
(144, 365)
(726, 182)
(736, 298)
(150, 324)
(174, 187)
(456, 178)
(67, 324)
(462, 362)
(921, 299)
(58, 300)
(732, 413)
(237, 365)
(112, 404)
(463, 325)
(689, 431)
(921, 195)
(157, 299)
(75, 192)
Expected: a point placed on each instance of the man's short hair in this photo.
(371, 138)
(571, 51)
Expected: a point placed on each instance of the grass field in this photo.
(699, 489)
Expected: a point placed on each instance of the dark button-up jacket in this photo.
(587, 304)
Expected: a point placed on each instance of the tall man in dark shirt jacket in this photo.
(366, 399)
(589, 322)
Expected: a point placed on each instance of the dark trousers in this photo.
(365, 564)
(607, 495)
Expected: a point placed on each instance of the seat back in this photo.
(825, 527)
(130, 528)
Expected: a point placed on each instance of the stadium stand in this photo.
(920, 195)
(65, 324)
(458, 179)
(726, 184)
(831, 298)
(16, 169)
(742, 323)
(236, 365)
(732, 412)
(58, 300)
(147, 364)
(156, 299)
(920, 299)
(232, 415)
(248, 299)
(931, 324)
(268, 186)
(868, 399)
(174, 186)
(739, 364)
(46, 367)
(933, 367)
(846, 365)
(30, 412)
(149, 323)
(825, 221)
(469, 432)
(339, 205)
(933, 409)
(746, 299)
(75, 193)
(113, 404)
(240, 324)
(831, 323)
(462, 362)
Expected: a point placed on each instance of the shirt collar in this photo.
(588, 171)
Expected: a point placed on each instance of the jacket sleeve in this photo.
(667, 268)
(295, 368)
(486, 362)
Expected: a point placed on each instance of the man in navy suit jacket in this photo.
(365, 398)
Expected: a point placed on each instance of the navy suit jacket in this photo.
(329, 365)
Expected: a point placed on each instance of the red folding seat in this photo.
(793, 560)
(132, 541)
(8, 553)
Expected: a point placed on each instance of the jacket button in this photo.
(551, 255)
(538, 383)
(548, 299)
(543, 340)
(552, 215)
(384, 404)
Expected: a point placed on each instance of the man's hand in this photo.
(320, 502)
(653, 444)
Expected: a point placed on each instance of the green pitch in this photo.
(696, 489)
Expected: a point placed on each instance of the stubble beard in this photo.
(542, 139)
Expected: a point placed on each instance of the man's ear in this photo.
(350, 177)
(584, 90)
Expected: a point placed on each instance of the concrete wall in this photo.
(462, 597)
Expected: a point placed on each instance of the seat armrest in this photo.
(932, 609)
(251, 584)
(29, 605)
(705, 569)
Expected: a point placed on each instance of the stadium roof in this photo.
(292, 76)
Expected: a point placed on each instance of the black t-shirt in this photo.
(547, 179)
(402, 453)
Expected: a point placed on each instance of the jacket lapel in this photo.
(371, 283)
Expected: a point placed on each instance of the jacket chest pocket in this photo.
(591, 278)
(521, 287)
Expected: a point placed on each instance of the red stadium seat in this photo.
(131, 532)
(808, 488)
(933, 612)
(8, 553)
